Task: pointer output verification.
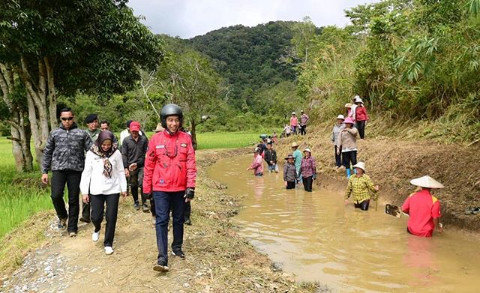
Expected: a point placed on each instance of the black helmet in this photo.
(171, 110)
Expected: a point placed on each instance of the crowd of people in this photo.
(100, 167)
(300, 168)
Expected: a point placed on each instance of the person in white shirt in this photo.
(104, 177)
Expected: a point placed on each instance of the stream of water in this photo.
(319, 238)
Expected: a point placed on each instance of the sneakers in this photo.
(62, 224)
(72, 234)
(145, 208)
(179, 253)
(136, 206)
(161, 265)
(95, 236)
(188, 222)
(108, 250)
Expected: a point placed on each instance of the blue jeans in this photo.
(164, 201)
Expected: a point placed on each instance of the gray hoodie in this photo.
(65, 149)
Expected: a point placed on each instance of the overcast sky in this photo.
(189, 18)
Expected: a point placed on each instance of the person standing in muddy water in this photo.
(271, 157)
(337, 129)
(297, 155)
(308, 169)
(347, 145)
(64, 154)
(303, 123)
(289, 172)
(423, 208)
(361, 188)
(170, 175)
(134, 149)
(103, 180)
(257, 164)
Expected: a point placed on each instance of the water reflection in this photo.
(317, 237)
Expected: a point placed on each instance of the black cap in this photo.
(128, 123)
(90, 118)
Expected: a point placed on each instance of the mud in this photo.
(319, 239)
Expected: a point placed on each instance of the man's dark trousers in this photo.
(164, 201)
(72, 179)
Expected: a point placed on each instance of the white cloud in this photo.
(188, 18)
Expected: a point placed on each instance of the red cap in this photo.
(135, 126)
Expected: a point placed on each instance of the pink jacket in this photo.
(257, 165)
(293, 121)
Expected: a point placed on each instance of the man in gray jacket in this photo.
(64, 154)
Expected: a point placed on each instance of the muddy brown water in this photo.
(319, 238)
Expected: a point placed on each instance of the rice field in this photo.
(224, 140)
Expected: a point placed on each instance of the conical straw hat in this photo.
(427, 182)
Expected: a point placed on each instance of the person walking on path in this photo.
(257, 164)
(125, 133)
(303, 123)
(289, 172)
(103, 179)
(93, 131)
(294, 123)
(347, 145)
(361, 188)
(361, 117)
(271, 158)
(337, 129)
(297, 155)
(308, 169)
(170, 174)
(105, 125)
(64, 154)
(133, 152)
(423, 208)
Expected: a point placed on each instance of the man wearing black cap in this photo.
(93, 131)
(92, 124)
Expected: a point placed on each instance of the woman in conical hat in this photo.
(423, 208)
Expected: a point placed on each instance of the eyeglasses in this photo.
(66, 118)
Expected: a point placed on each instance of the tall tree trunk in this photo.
(193, 133)
(52, 94)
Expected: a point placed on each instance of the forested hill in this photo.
(249, 57)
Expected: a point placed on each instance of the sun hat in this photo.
(135, 126)
(358, 100)
(427, 182)
(360, 165)
(290, 156)
(159, 127)
(356, 97)
(307, 150)
(293, 113)
(348, 105)
(348, 120)
(294, 144)
(256, 150)
(341, 117)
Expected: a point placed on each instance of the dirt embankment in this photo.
(218, 259)
(393, 163)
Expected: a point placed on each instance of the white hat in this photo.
(294, 144)
(293, 113)
(427, 182)
(360, 165)
(307, 150)
(358, 100)
(341, 117)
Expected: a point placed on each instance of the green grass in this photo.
(224, 140)
(18, 201)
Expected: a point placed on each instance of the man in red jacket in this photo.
(170, 173)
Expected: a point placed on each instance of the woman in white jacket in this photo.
(103, 179)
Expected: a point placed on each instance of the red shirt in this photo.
(361, 114)
(170, 163)
(422, 208)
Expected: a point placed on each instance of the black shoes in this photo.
(136, 206)
(179, 253)
(161, 265)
